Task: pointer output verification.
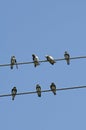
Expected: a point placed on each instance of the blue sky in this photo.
(43, 27)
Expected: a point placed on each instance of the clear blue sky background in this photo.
(43, 27)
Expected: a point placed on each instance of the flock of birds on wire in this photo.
(38, 90)
(36, 63)
(35, 58)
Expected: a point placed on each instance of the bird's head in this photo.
(46, 56)
(14, 87)
(33, 55)
(13, 56)
(65, 52)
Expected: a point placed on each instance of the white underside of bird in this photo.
(50, 59)
(36, 61)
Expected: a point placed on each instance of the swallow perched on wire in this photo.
(13, 92)
(35, 60)
(38, 90)
(67, 57)
(53, 88)
(50, 59)
(13, 62)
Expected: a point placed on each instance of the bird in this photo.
(13, 62)
(35, 60)
(50, 59)
(13, 92)
(67, 57)
(53, 88)
(38, 90)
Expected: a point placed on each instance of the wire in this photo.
(21, 63)
(59, 89)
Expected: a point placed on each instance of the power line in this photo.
(60, 59)
(59, 89)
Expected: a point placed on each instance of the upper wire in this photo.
(59, 59)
